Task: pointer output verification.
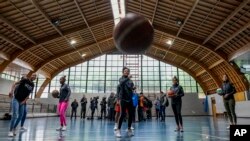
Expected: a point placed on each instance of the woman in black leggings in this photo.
(125, 93)
(177, 103)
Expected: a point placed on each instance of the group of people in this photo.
(121, 105)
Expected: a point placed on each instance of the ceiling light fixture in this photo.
(84, 54)
(169, 42)
(118, 9)
(72, 42)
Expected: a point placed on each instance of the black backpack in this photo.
(149, 103)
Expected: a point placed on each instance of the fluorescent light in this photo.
(169, 42)
(72, 42)
(118, 14)
(84, 55)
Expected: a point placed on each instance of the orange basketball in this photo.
(170, 93)
(55, 93)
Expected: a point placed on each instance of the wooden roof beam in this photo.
(215, 64)
(10, 41)
(40, 10)
(200, 73)
(85, 20)
(156, 4)
(17, 29)
(188, 16)
(65, 53)
(62, 61)
(4, 56)
(243, 4)
(233, 35)
(47, 50)
(36, 56)
(239, 52)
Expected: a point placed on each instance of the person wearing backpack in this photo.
(163, 102)
(228, 92)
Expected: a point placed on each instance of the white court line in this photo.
(206, 135)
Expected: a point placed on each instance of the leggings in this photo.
(130, 107)
(177, 113)
(230, 108)
(24, 115)
(62, 107)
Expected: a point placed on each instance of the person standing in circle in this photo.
(176, 102)
(125, 94)
(65, 93)
(228, 91)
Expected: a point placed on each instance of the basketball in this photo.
(170, 93)
(219, 91)
(55, 93)
(133, 34)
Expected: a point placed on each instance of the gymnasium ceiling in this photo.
(211, 33)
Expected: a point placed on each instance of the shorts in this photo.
(117, 108)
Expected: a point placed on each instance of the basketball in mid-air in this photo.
(55, 93)
(133, 34)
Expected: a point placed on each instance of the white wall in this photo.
(191, 104)
(241, 109)
(5, 86)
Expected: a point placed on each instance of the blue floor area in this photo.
(202, 128)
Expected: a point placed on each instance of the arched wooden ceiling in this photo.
(211, 33)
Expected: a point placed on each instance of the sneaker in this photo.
(115, 128)
(181, 130)
(14, 132)
(130, 133)
(118, 133)
(132, 128)
(59, 128)
(11, 134)
(177, 130)
(23, 129)
(64, 128)
(228, 127)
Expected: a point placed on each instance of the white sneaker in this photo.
(14, 132)
(118, 133)
(228, 127)
(64, 128)
(130, 133)
(132, 128)
(11, 134)
(59, 128)
(116, 127)
(23, 129)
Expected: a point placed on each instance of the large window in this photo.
(101, 75)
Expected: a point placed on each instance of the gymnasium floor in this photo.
(196, 129)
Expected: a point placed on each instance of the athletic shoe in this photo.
(59, 128)
(11, 134)
(14, 132)
(228, 127)
(64, 128)
(130, 133)
(177, 130)
(118, 133)
(116, 126)
(132, 128)
(23, 129)
(181, 130)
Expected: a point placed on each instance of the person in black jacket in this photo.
(228, 92)
(21, 94)
(125, 93)
(111, 106)
(74, 106)
(177, 103)
(103, 107)
(83, 106)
